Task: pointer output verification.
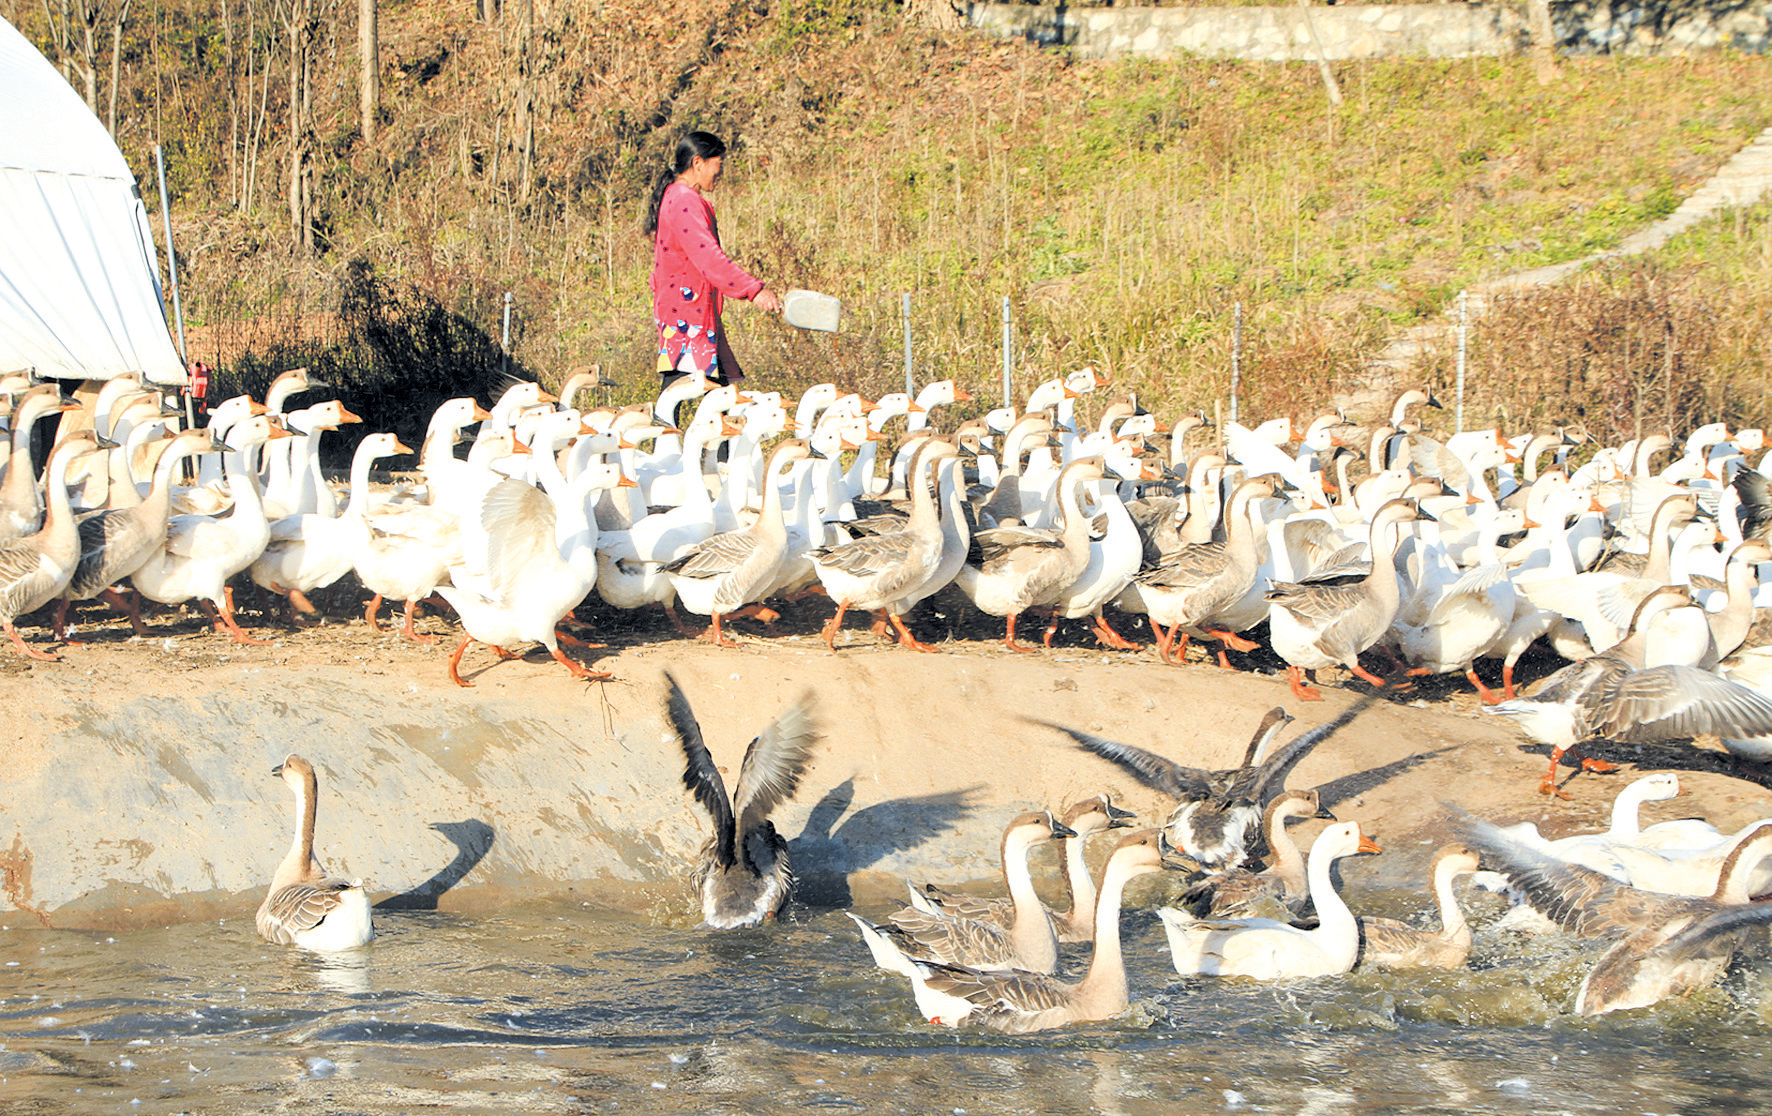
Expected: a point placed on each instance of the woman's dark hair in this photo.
(693, 146)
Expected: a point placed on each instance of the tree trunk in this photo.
(122, 17)
(299, 231)
(369, 50)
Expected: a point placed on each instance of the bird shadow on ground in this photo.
(832, 845)
(1359, 782)
(472, 840)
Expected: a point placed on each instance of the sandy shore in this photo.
(137, 783)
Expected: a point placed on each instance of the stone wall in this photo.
(1350, 31)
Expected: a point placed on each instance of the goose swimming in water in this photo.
(743, 875)
(1020, 1002)
(305, 906)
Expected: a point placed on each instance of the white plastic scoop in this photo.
(811, 310)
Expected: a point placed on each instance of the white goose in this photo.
(21, 505)
(406, 551)
(203, 552)
(539, 561)
(311, 551)
(1266, 949)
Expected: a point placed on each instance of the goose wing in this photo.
(868, 555)
(1263, 782)
(1578, 899)
(299, 907)
(700, 775)
(999, 991)
(1185, 784)
(773, 764)
(1316, 605)
(1670, 702)
(953, 941)
(717, 556)
(519, 523)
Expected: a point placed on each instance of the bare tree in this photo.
(300, 25)
(121, 17)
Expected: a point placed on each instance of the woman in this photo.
(691, 274)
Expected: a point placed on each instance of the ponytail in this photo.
(649, 226)
(693, 145)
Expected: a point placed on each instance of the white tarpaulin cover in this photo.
(79, 281)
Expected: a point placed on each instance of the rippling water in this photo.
(568, 1010)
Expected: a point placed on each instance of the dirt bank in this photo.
(136, 773)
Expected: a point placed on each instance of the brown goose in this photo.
(1386, 943)
(720, 576)
(35, 569)
(1240, 892)
(1669, 945)
(1612, 696)
(305, 906)
(1218, 810)
(1023, 1002)
(873, 571)
(1315, 626)
(743, 875)
(114, 543)
(1029, 943)
(1201, 580)
(1016, 566)
(1090, 816)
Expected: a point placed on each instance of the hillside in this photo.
(1125, 209)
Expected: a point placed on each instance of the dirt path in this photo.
(137, 770)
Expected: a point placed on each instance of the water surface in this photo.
(563, 1009)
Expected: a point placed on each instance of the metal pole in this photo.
(505, 341)
(178, 315)
(1236, 359)
(1463, 328)
(907, 345)
(1008, 363)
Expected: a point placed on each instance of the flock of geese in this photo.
(1447, 553)
(1674, 898)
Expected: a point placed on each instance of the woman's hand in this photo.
(767, 299)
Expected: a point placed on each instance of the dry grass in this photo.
(1123, 208)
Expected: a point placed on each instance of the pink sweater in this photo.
(691, 279)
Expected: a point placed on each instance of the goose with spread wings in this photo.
(743, 875)
(1667, 945)
(1219, 810)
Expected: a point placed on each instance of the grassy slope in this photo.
(1124, 208)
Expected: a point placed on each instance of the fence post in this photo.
(1236, 358)
(908, 386)
(178, 314)
(504, 343)
(1463, 327)
(1007, 361)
